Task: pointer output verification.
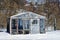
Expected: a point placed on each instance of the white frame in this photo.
(14, 17)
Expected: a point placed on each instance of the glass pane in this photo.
(26, 26)
(34, 22)
(26, 32)
(14, 31)
(42, 27)
(20, 24)
(20, 32)
(13, 24)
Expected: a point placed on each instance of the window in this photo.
(26, 27)
(13, 24)
(20, 24)
(25, 24)
(34, 22)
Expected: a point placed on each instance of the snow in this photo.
(54, 35)
(2, 30)
(4, 35)
(34, 1)
(27, 4)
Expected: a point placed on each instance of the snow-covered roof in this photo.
(28, 15)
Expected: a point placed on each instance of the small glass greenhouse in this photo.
(27, 23)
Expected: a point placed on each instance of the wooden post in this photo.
(55, 23)
(10, 25)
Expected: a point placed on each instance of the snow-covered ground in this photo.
(54, 35)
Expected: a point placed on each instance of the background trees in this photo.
(50, 9)
(52, 12)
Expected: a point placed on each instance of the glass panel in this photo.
(14, 31)
(13, 24)
(20, 24)
(34, 22)
(22, 16)
(42, 27)
(20, 31)
(26, 26)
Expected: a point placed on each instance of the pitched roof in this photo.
(27, 15)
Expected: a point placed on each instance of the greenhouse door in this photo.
(34, 26)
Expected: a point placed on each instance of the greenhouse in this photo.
(27, 23)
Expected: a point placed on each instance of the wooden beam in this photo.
(10, 25)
